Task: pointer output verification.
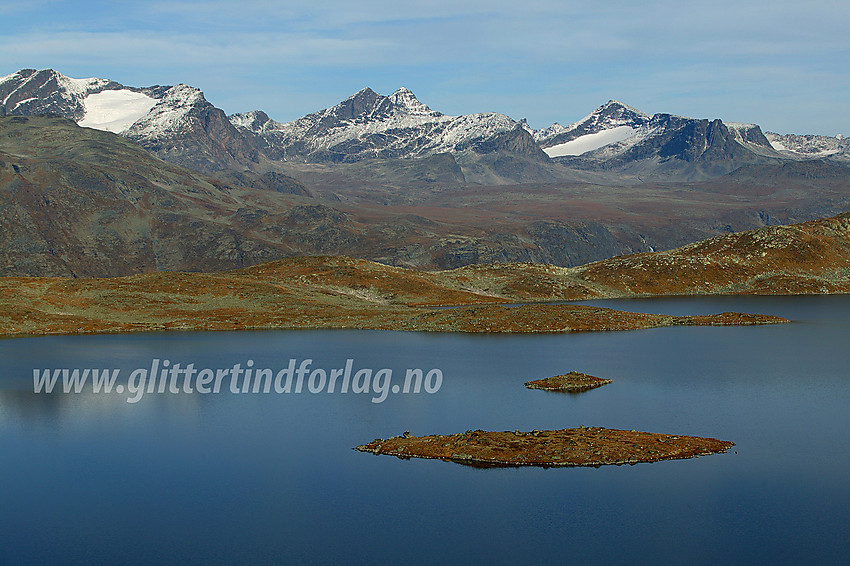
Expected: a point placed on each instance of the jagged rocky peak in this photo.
(612, 114)
(618, 107)
(361, 104)
(541, 136)
(367, 104)
(369, 125)
(405, 100)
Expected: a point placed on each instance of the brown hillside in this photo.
(808, 258)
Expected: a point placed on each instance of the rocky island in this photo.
(573, 382)
(558, 448)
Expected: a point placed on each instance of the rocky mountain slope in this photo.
(340, 292)
(813, 257)
(82, 202)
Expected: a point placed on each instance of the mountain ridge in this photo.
(370, 125)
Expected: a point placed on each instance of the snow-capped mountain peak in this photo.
(612, 114)
(29, 91)
(174, 122)
(96, 103)
(612, 122)
(405, 100)
(371, 125)
(81, 87)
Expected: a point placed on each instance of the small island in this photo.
(557, 448)
(573, 382)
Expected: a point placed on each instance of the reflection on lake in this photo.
(272, 478)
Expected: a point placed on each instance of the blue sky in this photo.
(783, 65)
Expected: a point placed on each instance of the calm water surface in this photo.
(272, 479)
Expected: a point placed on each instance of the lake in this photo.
(271, 478)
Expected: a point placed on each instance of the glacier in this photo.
(589, 142)
(115, 110)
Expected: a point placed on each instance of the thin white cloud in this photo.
(325, 15)
(15, 7)
(431, 32)
(155, 50)
(481, 54)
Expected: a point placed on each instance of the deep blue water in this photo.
(272, 478)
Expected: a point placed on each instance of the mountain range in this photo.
(102, 179)
(179, 125)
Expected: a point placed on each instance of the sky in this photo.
(783, 65)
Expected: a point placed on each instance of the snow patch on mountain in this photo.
(776, 141)
(591, 142)
(23, 102)
(641, 135)
(810, 146)
(255, 121)
(115, 110)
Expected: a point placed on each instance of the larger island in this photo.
(569, 447)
